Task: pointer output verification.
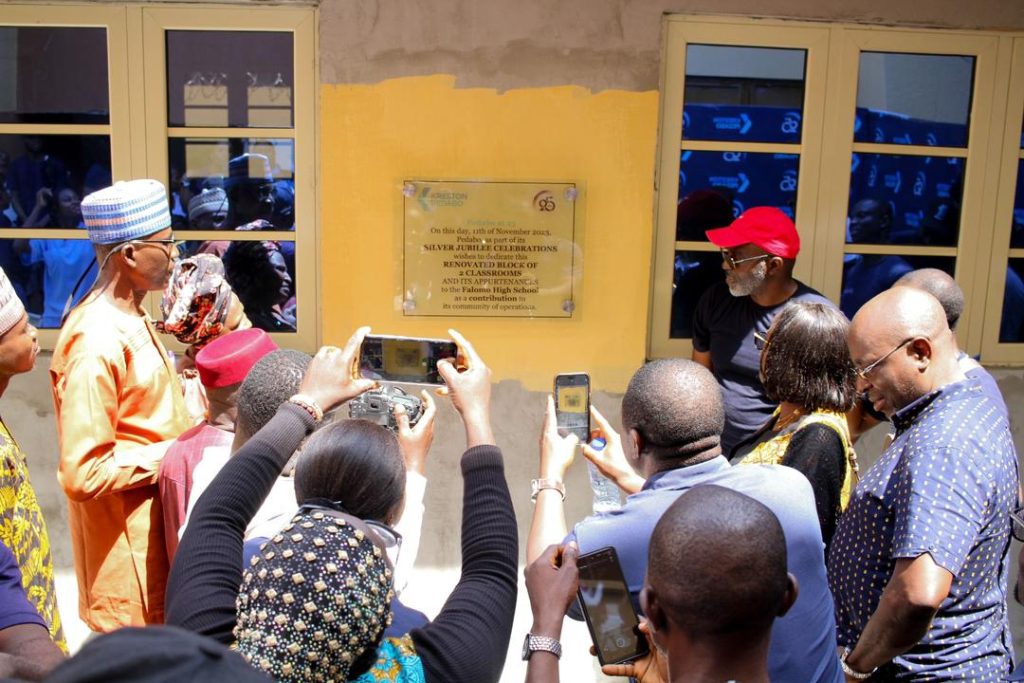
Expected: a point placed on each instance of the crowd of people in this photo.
(227, 525)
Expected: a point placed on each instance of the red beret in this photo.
(228, 359)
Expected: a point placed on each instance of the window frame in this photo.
(828, 116)
(139, 134)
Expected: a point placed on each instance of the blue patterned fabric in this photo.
(944, 487)
(126, 211)
(397, 662)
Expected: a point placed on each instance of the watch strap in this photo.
(541, 644)
(538, 485)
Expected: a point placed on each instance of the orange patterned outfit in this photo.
(119, 406)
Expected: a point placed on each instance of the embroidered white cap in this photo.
(210, 200)
(126, 211)
(11, 308)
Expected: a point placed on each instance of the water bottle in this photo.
(606, 493)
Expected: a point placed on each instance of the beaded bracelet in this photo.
(309, 405)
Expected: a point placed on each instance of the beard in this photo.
(745, 284)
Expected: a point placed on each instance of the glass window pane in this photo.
(692, 274)
(262, 273)
(1011, 326)
(230, 79)
(910, 99)
(709, 181)
(1017, 232)
(52, 74)
(897, 199)
(743, 93)
(44, 177)
(865, 275)
(47, 273)
(249, 183)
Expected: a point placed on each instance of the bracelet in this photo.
(309, 405)
(850, 671)
(538, 485)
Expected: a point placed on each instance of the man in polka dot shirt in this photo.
(918, 565)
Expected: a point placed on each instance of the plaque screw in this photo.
(408, 305)
(568, 306)
(409, 190)
(571, 193)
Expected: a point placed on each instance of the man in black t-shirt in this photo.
(759, 251)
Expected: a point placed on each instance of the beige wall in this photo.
(607, 44)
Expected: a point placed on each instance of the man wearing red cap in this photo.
(759, 251)
(222, 365)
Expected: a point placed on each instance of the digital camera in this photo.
(379, 405)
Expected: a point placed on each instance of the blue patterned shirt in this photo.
(944, 487)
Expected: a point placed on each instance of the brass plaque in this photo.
(504, 249)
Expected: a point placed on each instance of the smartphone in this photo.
(608, 609)
(572, 404)
(411, 360)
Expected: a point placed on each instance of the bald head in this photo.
(717, 563)
(940, 285)
(897, 314)
(675, 405)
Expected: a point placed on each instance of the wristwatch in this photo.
(538, 485)
(534, 643)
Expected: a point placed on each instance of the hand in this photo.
(611, 460)
(43, 197)
(651, 668)
(329, 379)
(470, 390)
(415, 441)
(551, 582)
(556, 452)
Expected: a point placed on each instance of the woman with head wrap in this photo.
(199, 306)
(314, 603)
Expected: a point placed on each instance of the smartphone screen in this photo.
(404, 359)
(572, 404)
(608, 609)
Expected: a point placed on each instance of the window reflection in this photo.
(693, 273)
(913, 99)
(1011, 326)
(743, 93)
(50, 275)
(898, 199)
(865, 275)
(232, 184)
(1017, 231)
(262, 273)
(53, 74)
(709, 182)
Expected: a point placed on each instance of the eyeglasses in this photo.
(170, 241)
(863, 372)
(760, 341)
(733, 262)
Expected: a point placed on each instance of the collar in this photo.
(903, 418)
(669, 478)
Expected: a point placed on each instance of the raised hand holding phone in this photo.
(329, 380)
(608, 609)
(470, 391)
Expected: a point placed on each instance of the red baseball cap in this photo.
(765, 226)
(227, 360)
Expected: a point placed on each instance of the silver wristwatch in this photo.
(534, 643)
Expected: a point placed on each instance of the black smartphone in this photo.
(572, 404)
(411, 360)
(608, 609)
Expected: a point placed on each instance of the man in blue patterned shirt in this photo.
(918, 565)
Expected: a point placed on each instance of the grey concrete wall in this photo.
(598, 45)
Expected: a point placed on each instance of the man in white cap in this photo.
(119, 407)
(22, 527)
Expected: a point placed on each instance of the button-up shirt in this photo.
(944, 487)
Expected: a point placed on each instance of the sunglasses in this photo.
(733, 262)
(760, 341)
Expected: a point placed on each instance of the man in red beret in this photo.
(759, 251)
(222, 365)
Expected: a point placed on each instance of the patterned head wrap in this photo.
(197, 300)
(316, 599)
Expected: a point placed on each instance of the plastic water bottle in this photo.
(606, 493)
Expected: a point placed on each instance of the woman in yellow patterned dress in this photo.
(806, 369)
(22, 528)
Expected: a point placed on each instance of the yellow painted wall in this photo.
(373, 136)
